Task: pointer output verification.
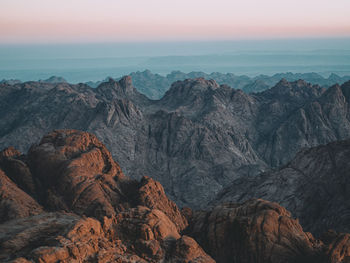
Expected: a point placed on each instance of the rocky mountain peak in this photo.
(334, 76)
(298, 91)
(333, 94)
(286, 86)
(283, 82)
(121, 89)
(198, 84)
(189, 92)
(301, 83)
(346, 90)
(147, 73)
(54, 80)
(126, 83)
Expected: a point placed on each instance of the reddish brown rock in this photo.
(151, 194)
(139, 235)
(78, 174)
(13, 164)
(132, 221)
(9, 152)
(151, 235)
(337, 246)
(188, 251)
(144, 232)
(255, 231)
(53, 237)
(14, 203)
(73, 171)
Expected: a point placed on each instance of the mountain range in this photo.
(154, 85)
(256, 177)
(196, 140)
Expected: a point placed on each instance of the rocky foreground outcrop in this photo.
(67, 200)
(263, 231)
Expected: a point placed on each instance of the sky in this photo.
(71, 21)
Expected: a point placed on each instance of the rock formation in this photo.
(255, 231)
(263, 231)
(67, 200)
(314, 186)
(15, 203)
(83, 208)
(195, 141)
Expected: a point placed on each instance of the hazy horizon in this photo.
(85, 62)
(158, 20)
(86, 40)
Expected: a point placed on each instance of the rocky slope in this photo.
(83, 209)
(67, 200)
(314, 186)
(255, 231)
(195, 140)
(262, 231)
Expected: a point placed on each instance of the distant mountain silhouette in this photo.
(154, 86)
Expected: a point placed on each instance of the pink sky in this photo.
(156, 20)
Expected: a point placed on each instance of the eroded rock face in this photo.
(128, 221)
(255, 231)
(188, 251)
(50, 237)
(13, 164)
(15, 203)
(146, 231)
(314, 186)
(136, 235)
(9, 152)
(78, 174)
(59, 237)
(151, 194)
(337, 246)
